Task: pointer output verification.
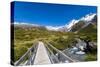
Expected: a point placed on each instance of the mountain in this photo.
(64, 28)
(54, 28)
(89, 29)
(27, 26)
(88, 17)
(74, 25)
(84, 22)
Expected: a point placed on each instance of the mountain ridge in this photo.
(65, 28)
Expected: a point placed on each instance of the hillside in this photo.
(77, 26)
(29, 35)
(61, 40)
(89, 29)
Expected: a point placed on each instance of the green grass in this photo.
(91, 57)
(24, 39)
(20, 49)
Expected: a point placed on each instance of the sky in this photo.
(49, 14)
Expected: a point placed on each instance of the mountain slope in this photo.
(85, 23)
(69, 27)
(89, 29)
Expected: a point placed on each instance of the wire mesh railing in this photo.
(58, 55)
(28, 57)
(55, 55)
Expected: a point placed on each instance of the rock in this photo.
(80, 52)
(66, 61)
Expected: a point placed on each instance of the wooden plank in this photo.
(41, 55)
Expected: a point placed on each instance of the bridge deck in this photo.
(42, 55)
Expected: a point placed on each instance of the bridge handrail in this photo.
(32, 57)
(25, 55)
(57, 50)
(48, 49)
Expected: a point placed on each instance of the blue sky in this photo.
(49, 14)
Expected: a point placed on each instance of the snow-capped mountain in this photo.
(54, 28)
(24, 24)
(88, 17)
(71, 23)
(67, 27)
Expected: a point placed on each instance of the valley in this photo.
(62, 38)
